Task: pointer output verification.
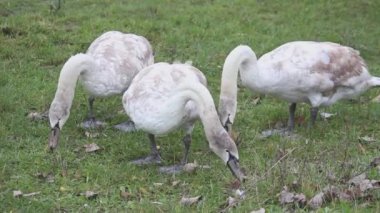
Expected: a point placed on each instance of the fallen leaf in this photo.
(48, 177)
(204, 167)
(36, 116)
(91, 134)
(17, 193)
(90, 194)
(357, 179)
(190, 167)
(261, 210)
(240, 194)
(367, 139)
(317, 201)
(326, 115)
(31, 194)
(231, 202)
(142, 190)
(158, 184)
(91, 147)
(256, 101)
(286, 196)
(188, 201)
(376, 99)
(375, 162)
(158, 203)
(175, 183)
(125, 195)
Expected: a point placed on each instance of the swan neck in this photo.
(61, 104)
(240, 60)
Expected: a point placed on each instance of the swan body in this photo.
(106, 69)
(317, 73)
(164, 97)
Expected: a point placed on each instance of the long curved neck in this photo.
(242, 59)
(205, 104)
(68, 78)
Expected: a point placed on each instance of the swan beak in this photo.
(54, 138)
(233, 165)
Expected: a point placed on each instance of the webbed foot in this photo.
(127, 126)
(151, 159)
(174, 169)
(92, 123)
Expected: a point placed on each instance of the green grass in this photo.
(35, 41)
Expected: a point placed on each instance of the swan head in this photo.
(58, 115)
(223, 146)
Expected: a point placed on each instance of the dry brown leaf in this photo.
(17, 193)
(142, 190)
(287, 197)
(48, 177)
(158, 184)
(317, 201)
(91, 134)
(367, 139)
(90, 194)
(375, 162)
(189, 201)
(326, 115)
(261, 210)
(125, 195)
(36, 116)
(31, 194)
(190, 167)
(256, 101)
(175, 183)
(91, 147)
(240, 194)
(357, 179)
(376, 99)
(230, 203)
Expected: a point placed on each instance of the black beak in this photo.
(54, 137)
(233, 165)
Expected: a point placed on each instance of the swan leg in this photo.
(313, 115)
(154, 157)
(91, 122)
(177, 168)
(128, 126)
(91, 108)
(291, 123)
(186, 142)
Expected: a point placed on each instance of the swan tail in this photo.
(374, 81)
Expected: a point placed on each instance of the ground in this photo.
(37, 37)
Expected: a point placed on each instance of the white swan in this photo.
(164, 97)
(318, 73)
(107, 68)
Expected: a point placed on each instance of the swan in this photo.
(164, 97)
(106, 69)
(317, 73)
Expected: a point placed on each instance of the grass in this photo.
(36, 39)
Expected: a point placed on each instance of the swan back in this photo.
(119, 58)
